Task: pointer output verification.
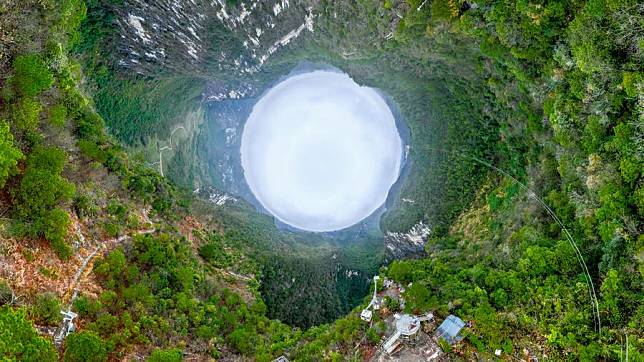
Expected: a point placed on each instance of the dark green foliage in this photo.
(54, 226)
(41, 191)
(31, 75)
(42, 186)
(149, 107)
(391, 303)
(214, 252)
(6, 294)
(19, 341)
(318, 287)
(85, 347)
(92, 151)
(84, 306)
(46, 310)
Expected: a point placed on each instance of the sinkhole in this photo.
(320, 152)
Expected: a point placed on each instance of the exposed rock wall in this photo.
(406, 245)
(207, 38)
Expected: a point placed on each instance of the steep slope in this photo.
(525, 196)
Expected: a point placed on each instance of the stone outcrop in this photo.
(207, 38)
(407, 245)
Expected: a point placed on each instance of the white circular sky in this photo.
(320, 152)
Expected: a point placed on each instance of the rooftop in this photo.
(407, 324)
(450, 328)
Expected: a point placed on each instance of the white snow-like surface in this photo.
(321, 152)
(137, 23)
(220, 198)
(417, 235)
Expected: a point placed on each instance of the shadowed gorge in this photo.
(321, 180)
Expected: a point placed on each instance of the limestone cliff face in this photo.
(227, 45)
(238, 49)
(406, 245)
(208, 38)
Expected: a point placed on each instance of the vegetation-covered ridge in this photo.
(568, 78)
(556, 88)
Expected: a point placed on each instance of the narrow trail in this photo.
(74, 288)
(167, 148)
(239, 276)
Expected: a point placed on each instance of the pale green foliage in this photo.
(25, 113)
(57, 115)
(610, 289)
(170, 355)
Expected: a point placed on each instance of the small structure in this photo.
(66, 328)
(450, 328)
(280, 359)
(407, 327)
(366, 313)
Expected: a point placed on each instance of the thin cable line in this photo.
(571, 240)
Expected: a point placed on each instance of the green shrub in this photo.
(54, 228)
(372, 336)
(19, 341)
(116, 209)
(86, 206)
(392, 304)
(168, 355)
(629, 83)
(41, 191)
(85, 347)
(242, 340)
(86, 307)
(32, 75)
(92, 151)
(26, 114)
(214, 253)
(9, 154)
(58, 115)
(46, 310)
(638, 199)
(445, 346)
(112, 229)
(630, 169)
(401, 271)
(42, 187)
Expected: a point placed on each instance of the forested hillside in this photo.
(527, 159)
(568, 76)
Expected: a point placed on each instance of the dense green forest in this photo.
(527, 153)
